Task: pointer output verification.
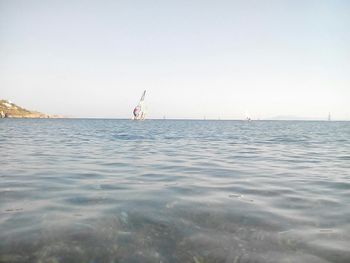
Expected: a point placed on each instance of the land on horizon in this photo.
(9, 109)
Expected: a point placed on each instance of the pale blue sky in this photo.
(195, 58)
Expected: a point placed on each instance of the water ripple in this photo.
(174, 191)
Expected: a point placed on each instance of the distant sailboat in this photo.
(140, 110)
(329, 116)
(247, 116)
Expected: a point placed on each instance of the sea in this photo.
(107, 190)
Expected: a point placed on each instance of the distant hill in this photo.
(11, 110)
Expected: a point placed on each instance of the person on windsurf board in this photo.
(139, 111)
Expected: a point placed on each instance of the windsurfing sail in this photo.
(140, 110)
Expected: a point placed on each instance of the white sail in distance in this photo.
(140, 110)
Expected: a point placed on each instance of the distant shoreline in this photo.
(11, 110)
(175, 119)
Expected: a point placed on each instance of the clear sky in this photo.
(219, 59)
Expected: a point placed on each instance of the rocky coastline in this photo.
(11, 110)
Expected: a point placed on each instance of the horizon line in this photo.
(194, 119)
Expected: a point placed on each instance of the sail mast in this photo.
(143, 95)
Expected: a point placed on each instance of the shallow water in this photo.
(174, 191)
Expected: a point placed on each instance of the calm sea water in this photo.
(174, 191)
